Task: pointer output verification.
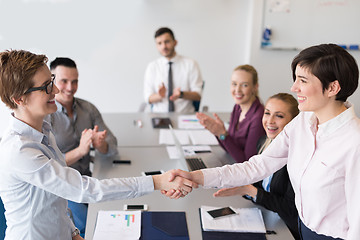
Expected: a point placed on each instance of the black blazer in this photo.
(281, 198)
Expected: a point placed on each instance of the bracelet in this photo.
(75, 232)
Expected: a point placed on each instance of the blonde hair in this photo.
(288, 99)
(250, 69)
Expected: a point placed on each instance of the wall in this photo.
(274, 65)
(112, 42)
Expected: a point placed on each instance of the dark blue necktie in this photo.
(170, 92)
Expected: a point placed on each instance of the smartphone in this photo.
(121, 162)
(152, 173)
(143, 207)
(221, 212)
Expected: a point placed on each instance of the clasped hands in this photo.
(177, 183)
(94, 137)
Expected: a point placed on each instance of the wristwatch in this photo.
(223, 136)
(75, 232)
(181, 94)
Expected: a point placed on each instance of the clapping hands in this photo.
(94, 137)
(214, 125)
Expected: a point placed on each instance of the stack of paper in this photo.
(166, 137)
(198, 137)
(124, 225)
(246, 220)
(202, 137)
(188, 151)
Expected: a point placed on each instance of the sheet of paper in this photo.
(122, 225)
(202, 137)
(188, 150)
(189, 122)
(247, 220)
(165, 137)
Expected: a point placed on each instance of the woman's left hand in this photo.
(243, 190)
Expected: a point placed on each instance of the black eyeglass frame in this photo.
(45, 87)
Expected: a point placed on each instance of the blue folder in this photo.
(164, 225)
(215, 235)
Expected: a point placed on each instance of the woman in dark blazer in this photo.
(274, 192)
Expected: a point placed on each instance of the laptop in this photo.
(188, 163)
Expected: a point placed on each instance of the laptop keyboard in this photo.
(195, 163)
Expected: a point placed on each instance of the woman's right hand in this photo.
(214, 125)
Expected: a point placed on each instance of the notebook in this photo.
(188, 163)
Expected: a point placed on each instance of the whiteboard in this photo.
(297, 24)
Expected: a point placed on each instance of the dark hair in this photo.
(62, 61)
(163, 30)
(329, 62)
(288, 99)
(17, 69)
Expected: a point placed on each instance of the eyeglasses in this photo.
(47, 87)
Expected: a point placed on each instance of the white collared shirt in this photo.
(35, 181)
(324, 168)
(186, 76)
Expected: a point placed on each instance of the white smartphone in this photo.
(221, 212)
(143, 207)
(152, 173)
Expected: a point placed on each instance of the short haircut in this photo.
(329, 62)
(164, 30)
(17, 69)
(62, 61)
(289, 100)
(250, 69)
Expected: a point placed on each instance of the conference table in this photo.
(140, 144)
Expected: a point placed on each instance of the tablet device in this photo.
(158, 122)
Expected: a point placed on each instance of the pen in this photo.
(202, 151)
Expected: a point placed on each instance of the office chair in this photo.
(196, 104)
(2, 220)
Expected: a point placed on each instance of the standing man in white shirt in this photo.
(172, 82)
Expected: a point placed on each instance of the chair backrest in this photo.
(2, 220)
(196, 104)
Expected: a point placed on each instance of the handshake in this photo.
(178, 183)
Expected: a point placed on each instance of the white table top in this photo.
(124, 127)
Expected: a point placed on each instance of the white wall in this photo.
(274, 66)
(112, 42)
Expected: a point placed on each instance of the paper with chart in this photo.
(247, 220)
(122, 225)
(189, 122)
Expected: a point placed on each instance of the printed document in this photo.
(246, 220)
(122, 225)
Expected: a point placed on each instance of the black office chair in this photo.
(2, 220)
